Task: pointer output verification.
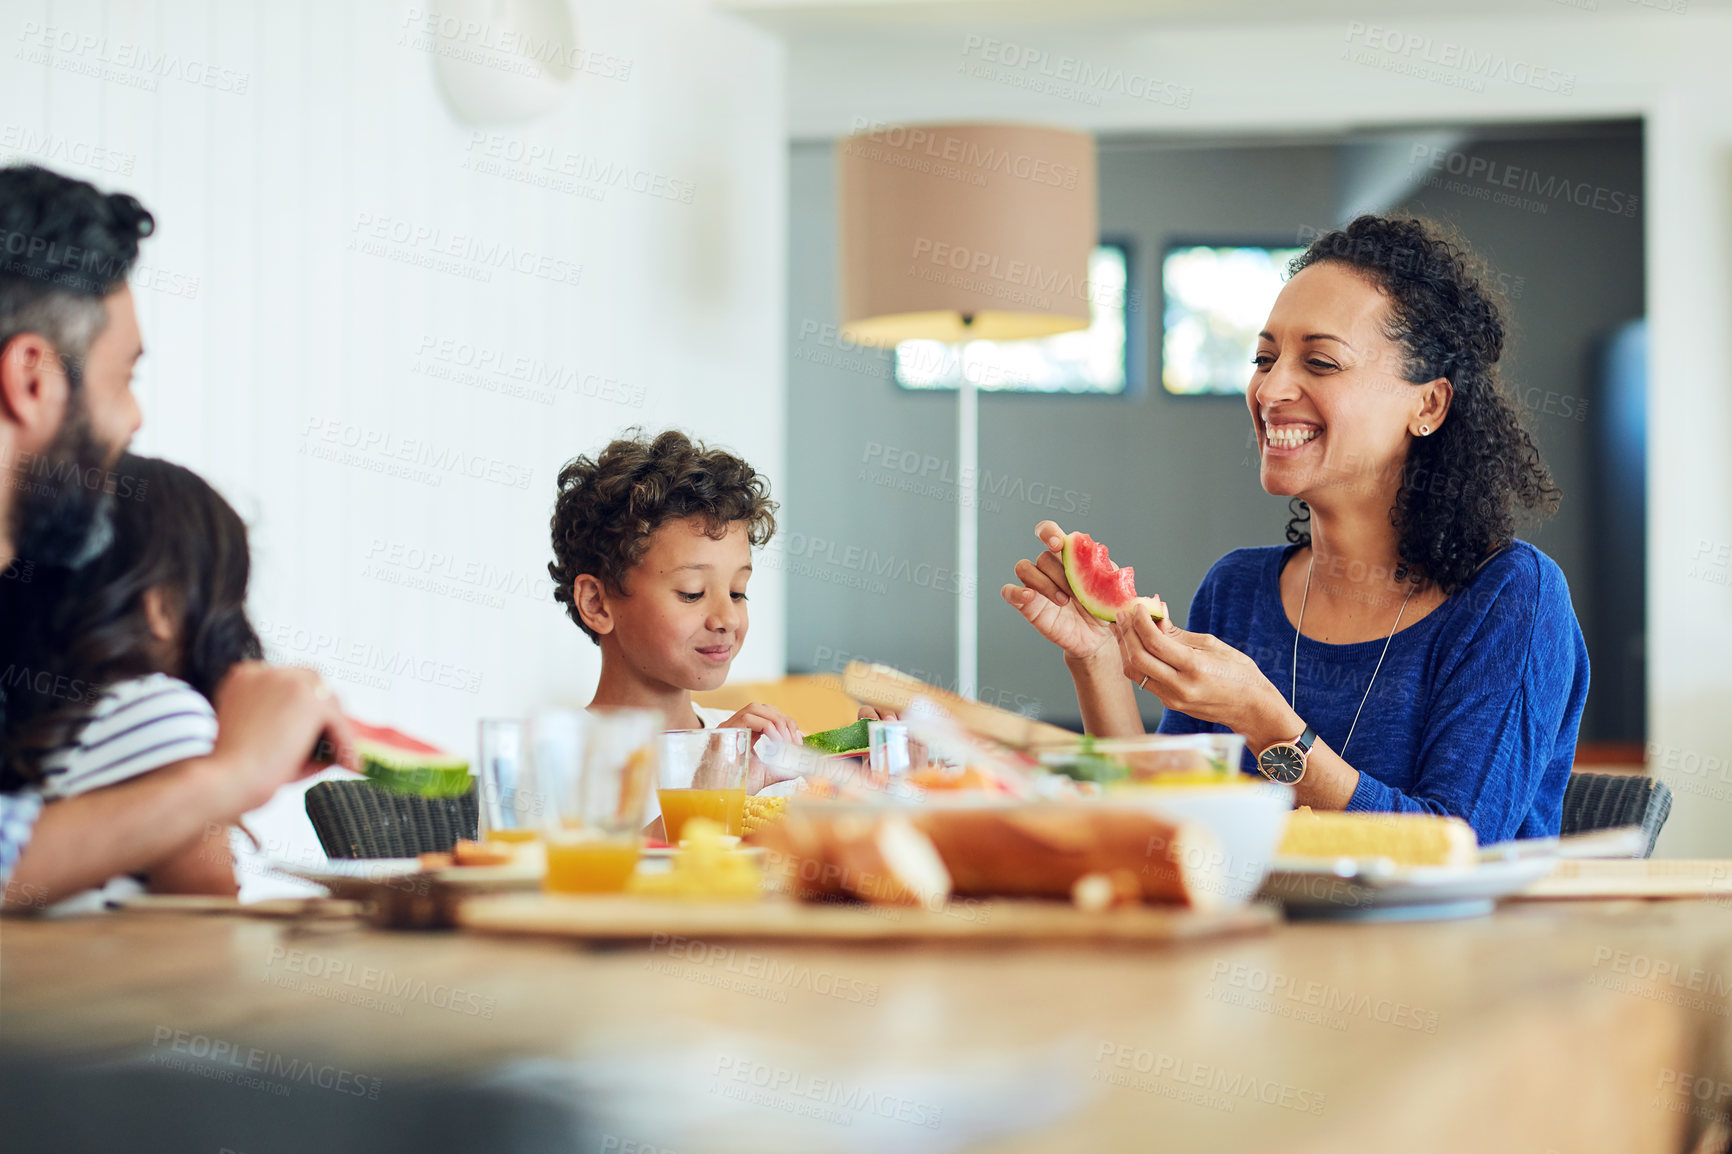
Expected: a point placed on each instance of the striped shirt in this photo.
(18, 814)
(138, 725)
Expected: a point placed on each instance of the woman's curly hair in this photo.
(1461, 487)
(610, 504)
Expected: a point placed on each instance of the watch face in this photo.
(1283, 763)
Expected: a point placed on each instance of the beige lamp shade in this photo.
(956, 232)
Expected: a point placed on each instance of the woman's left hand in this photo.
(1197, 674)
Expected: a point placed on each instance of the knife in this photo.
(887, 688)
(1621, 842)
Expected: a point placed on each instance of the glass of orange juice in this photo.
(704, 775)
(599, 785)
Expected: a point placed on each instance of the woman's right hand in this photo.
(1045, 601)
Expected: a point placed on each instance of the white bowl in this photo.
(1247, 818)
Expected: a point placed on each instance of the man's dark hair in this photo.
(64, 245)
(609, 505)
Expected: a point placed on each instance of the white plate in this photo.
(1376, 889)
(366, 869)
(340, 871)
(1247, 819)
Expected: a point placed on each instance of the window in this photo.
(1216, 298)
(1091, 360)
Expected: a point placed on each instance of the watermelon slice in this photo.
(395, 761)
(1100, 586)
(846, 739)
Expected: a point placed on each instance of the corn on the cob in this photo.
(762, 812)
(1409, 839)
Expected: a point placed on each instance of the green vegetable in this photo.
(1088, 765)
(846, 739)
(1091, 767)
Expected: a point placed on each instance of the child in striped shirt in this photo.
(119, 661)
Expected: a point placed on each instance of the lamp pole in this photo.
(967, 536)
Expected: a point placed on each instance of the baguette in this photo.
(1035, 850)
(1043, 850)
(876, 858)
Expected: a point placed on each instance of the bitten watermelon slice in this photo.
(403, 764)
(1100, 586)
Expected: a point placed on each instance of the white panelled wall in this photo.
(326, 333)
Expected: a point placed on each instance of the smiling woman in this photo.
(1404, 620)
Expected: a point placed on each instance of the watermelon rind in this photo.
(844, 739)
(422, 781)
(420, 774)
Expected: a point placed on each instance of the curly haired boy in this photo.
(652, 546)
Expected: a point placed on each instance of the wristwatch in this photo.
(1285, 760)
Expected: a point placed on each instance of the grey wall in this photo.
(1574, 274)
(1170, 483)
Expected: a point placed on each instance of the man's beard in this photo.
(59, 519)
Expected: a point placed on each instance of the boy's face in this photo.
(685, 618)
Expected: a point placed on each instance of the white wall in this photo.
(266, 328)
(1620, 58)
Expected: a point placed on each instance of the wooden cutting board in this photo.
(1626, 878)
(614, 918)
(888, 688)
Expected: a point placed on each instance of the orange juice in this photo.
(513, 835)
(589, 865)
(725, 807)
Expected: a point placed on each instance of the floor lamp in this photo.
(960, 232)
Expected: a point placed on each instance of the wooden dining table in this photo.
(1565, 1026)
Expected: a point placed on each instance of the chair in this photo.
(357, 819)
(1608, 800)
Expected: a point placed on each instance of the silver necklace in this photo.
(1293, 693)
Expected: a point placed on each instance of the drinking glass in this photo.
(888, 750)
(552, 751)
(606, 761)
(511, 807)
(703, 774)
